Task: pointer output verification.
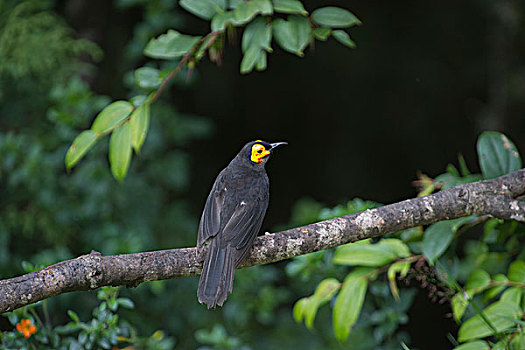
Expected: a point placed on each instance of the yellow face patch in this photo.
(258, 153)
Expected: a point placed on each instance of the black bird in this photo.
(231, 219)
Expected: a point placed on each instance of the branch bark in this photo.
(496, 198)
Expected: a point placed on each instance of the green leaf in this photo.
(111, 116)
(82, 143)
(477, 281)
(245, 12)
(492, 292)
(475, 345)
(289, 6)
(250, 59)
(120, 151)
(148, 78)
(261, 62)
(204, 9)
(126, 302)
(400, 267)
(139, 122)
(73, 315)
(170, 45)
(395, 246)
(364, 254)
(221, 19)
(334, 17)
(349, 302)
(459, 305)
(344, 38)
(517, 271)
(292, 35)
(264, 7)
(298, 309)
(323, 294)
(436, 240)
(258, 33)
(322, 33)
(497, 155)
(512, 295)
(499, 314)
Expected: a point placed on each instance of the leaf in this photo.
(334, 17)
(400, 267)
(111, 116)
(475, 345)
(204, 9)
(245, 12)
(436, 240)
(499, 314)
(261, 62)
(363, 254)
(459, 305)
(292, 35)
(477, 281)
(264, 7)
(258, 33)
(73, 315)
(289, 6)
(126, 302)
(497, 155)
(170, 45)
(344, 38)
(323, 294)
(298, 309)
(147, 78)
(82, 143)
(249, 59)
(517, 271)
(322, 33)
(120, 151)
(492, 292)
(139, 122)
(512, 295)
(395, 246)
(349, 302)
(221, 19)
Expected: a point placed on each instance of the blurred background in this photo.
(424, 81)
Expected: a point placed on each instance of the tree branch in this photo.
(494, 197)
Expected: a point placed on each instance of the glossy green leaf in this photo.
(395, 246)
(120, 151)
(170, 45)
(518, 342)
(298, 309)
(436, 240)
(250, 59)
(148, 78)
(334, 17)
(322, 33)
(126, 302)
(261, 61)
(82, 143)
(245, 12)
(111, 116)
(477, 280)
(492, 292)
(363, 254)
(292, 35)
(289, 6)
(459, 305)
(204, 9)
(264, 7)
(497, 155)
(139, 122)
(349, 302)
(324, 292)
(475, 345)
(499, 314)
(344, 38)
(517, 271)
(400, 267)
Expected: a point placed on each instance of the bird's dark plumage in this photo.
(231, 219)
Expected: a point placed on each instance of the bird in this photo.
(232, 217)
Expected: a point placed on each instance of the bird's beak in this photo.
(277, 144)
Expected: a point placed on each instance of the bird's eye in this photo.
(259, 151)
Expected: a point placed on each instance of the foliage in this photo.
(123, 119)
(104, 331)
(489, 305)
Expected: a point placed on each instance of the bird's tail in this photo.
(217, 275)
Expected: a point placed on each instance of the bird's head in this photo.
(258, 152)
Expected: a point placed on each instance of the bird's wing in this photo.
(211, 215)
(243, 226)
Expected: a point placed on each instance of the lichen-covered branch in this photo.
(496, 198)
